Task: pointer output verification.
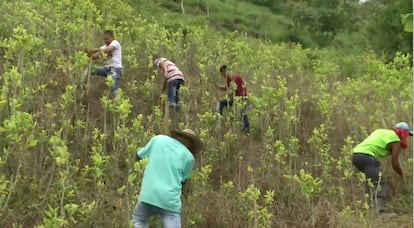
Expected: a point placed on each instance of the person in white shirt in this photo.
(112, 51)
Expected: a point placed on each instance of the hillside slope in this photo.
(253, 20)
(67, 158)
(350, 26)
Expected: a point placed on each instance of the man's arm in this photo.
(93, 54)
(395, 149)
(109, 49)
(223, 87)
(106, 49)
(163, 69)
(164, 85)
(145, 151)
(188, 171)
(231, 88)
(186, 178)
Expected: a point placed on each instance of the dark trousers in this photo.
(371, 167)
(243, 111)
(173, 98)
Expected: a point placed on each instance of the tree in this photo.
(407, 21)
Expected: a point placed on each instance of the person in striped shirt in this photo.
(173, 80)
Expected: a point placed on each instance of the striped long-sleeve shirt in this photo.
(172, 70)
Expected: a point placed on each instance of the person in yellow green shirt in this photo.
(170, 164)
(380, 143)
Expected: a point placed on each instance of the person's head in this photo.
(189, 139)
(404, 126)
(108, 36)
(403, 131)
(156, 60)
(224, 71)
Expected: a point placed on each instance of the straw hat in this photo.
(191, 135)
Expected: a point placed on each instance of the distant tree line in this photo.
(351, 25)
(375, 23)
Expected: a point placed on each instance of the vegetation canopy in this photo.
(67, 154)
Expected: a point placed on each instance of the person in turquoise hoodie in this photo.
(380, 143)
(170, 164)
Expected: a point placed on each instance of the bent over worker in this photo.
(170, 164)
(380, 143)
(173, 80)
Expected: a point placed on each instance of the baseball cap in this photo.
(404, 125)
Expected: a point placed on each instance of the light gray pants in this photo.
(144, 211)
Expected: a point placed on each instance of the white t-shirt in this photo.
(116, 59)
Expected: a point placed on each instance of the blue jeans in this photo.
(115, 73)
(144, 211)
(172, 92)
(243, 111)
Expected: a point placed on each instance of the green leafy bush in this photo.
(68, 159)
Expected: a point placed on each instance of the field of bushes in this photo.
(67, 157)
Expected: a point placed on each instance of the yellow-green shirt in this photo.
(376, 143)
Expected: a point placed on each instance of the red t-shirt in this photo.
(241, 89)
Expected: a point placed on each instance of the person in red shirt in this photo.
(240, 91)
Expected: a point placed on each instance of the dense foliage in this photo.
(350, 25)
(67, 157)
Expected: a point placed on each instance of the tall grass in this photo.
(68, 160)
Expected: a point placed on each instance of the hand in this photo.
(89, 52)
(94, 56)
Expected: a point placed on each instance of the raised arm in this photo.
(107, 49)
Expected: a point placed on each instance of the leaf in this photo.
(407, 21)
(32, 143)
